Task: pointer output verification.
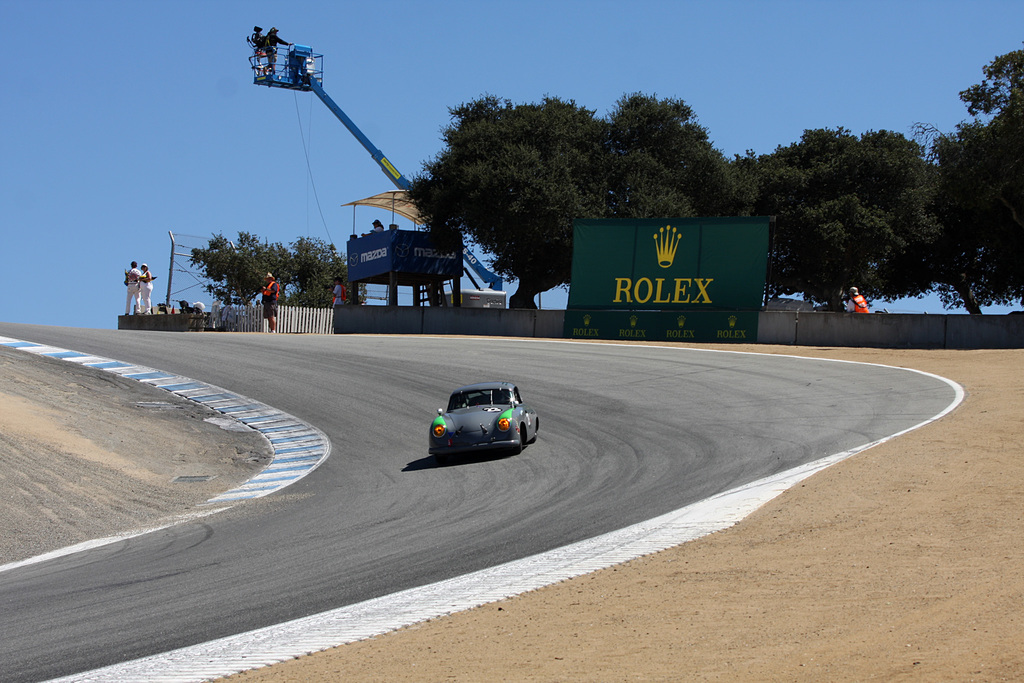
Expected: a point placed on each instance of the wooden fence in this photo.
(290, 319)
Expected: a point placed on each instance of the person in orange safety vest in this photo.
(271, 290)
(856, 303)
(340, 291)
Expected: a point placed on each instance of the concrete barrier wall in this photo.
(892, 330)
(985, 331)
(491, 322)
(378, 320)
(774, 327)
(496, 322)
(178, 322)
(550, 324)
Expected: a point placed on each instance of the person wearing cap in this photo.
(131, 281)
(270, 47)
(146, 289)
(271, 291)
(856, 303)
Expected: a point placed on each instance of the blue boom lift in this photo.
(302, 69)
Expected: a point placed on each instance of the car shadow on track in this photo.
(430, 462)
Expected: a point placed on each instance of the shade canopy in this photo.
(396, 201)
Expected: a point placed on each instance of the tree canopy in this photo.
(972, 261)
(979, 203)
(871, 210)
(661, 163)
(513, 177)
(878, 211)
(236, 269)
(314, 265)
(844, 206)
(997, 137)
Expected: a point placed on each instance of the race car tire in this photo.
(536, 426)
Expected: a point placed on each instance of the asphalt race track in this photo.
(626, 433)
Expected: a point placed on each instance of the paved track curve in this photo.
(627, 433)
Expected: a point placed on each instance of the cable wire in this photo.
(309, 169)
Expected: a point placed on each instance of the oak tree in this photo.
(512, 178)
(844, 205)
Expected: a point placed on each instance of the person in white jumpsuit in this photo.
(131, 280)
(146, 289)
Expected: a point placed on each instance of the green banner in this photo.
(669, 263)
(667, 279)
(697, 326)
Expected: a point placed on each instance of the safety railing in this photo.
(281, 66)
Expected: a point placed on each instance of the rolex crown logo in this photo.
(586, 319)
(666, 241)
(632, 320)
(732, 321)
(681, 320)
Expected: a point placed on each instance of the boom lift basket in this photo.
(291, 70)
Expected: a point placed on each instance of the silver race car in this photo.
(482, 417)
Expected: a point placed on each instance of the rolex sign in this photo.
(708, 272)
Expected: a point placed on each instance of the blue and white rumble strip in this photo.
(298, 447)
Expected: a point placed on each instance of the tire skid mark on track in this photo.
(354, 622)
(281, 642)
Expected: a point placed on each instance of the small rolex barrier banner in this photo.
(667, 279)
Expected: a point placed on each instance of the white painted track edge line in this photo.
(273, 644)
(281, 642)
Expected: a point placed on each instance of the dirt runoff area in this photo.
(905, 562)
(87, 454)
(901, 563)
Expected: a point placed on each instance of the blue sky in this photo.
(122, 121)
